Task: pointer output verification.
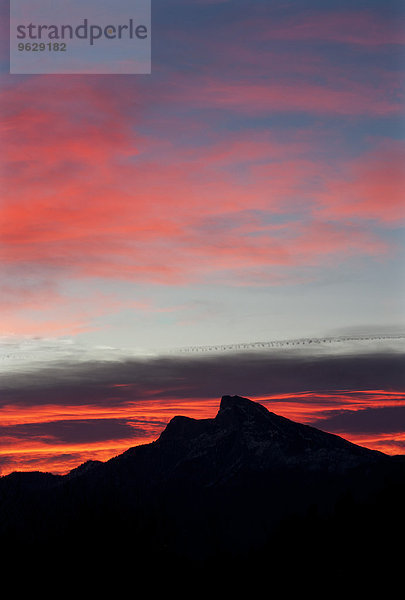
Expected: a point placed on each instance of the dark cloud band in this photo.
(210, 376)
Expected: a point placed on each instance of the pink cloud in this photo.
(121, 212)
(372, 187)
(345, 98)
(353, 27)
(361, 27)
(86, 197)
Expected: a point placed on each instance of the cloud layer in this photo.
(266, 152)
(251, 187)
(62, 414)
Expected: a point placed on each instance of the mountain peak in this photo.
(234, 401)
(235, 412)
(240, 411)
(265, 435)
(239, 403)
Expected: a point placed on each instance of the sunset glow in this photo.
(250, 188)
(25, 446)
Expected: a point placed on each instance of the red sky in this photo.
(250, 188)
(23, 450)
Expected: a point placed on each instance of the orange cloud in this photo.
(42, 451)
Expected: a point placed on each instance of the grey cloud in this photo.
(188, 377)
(74, 431)
(388, 419)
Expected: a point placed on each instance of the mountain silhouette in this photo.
(247, 488)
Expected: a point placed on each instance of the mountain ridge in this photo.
(242, 484)
(236, 413)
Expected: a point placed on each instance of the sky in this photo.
(249, 189)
